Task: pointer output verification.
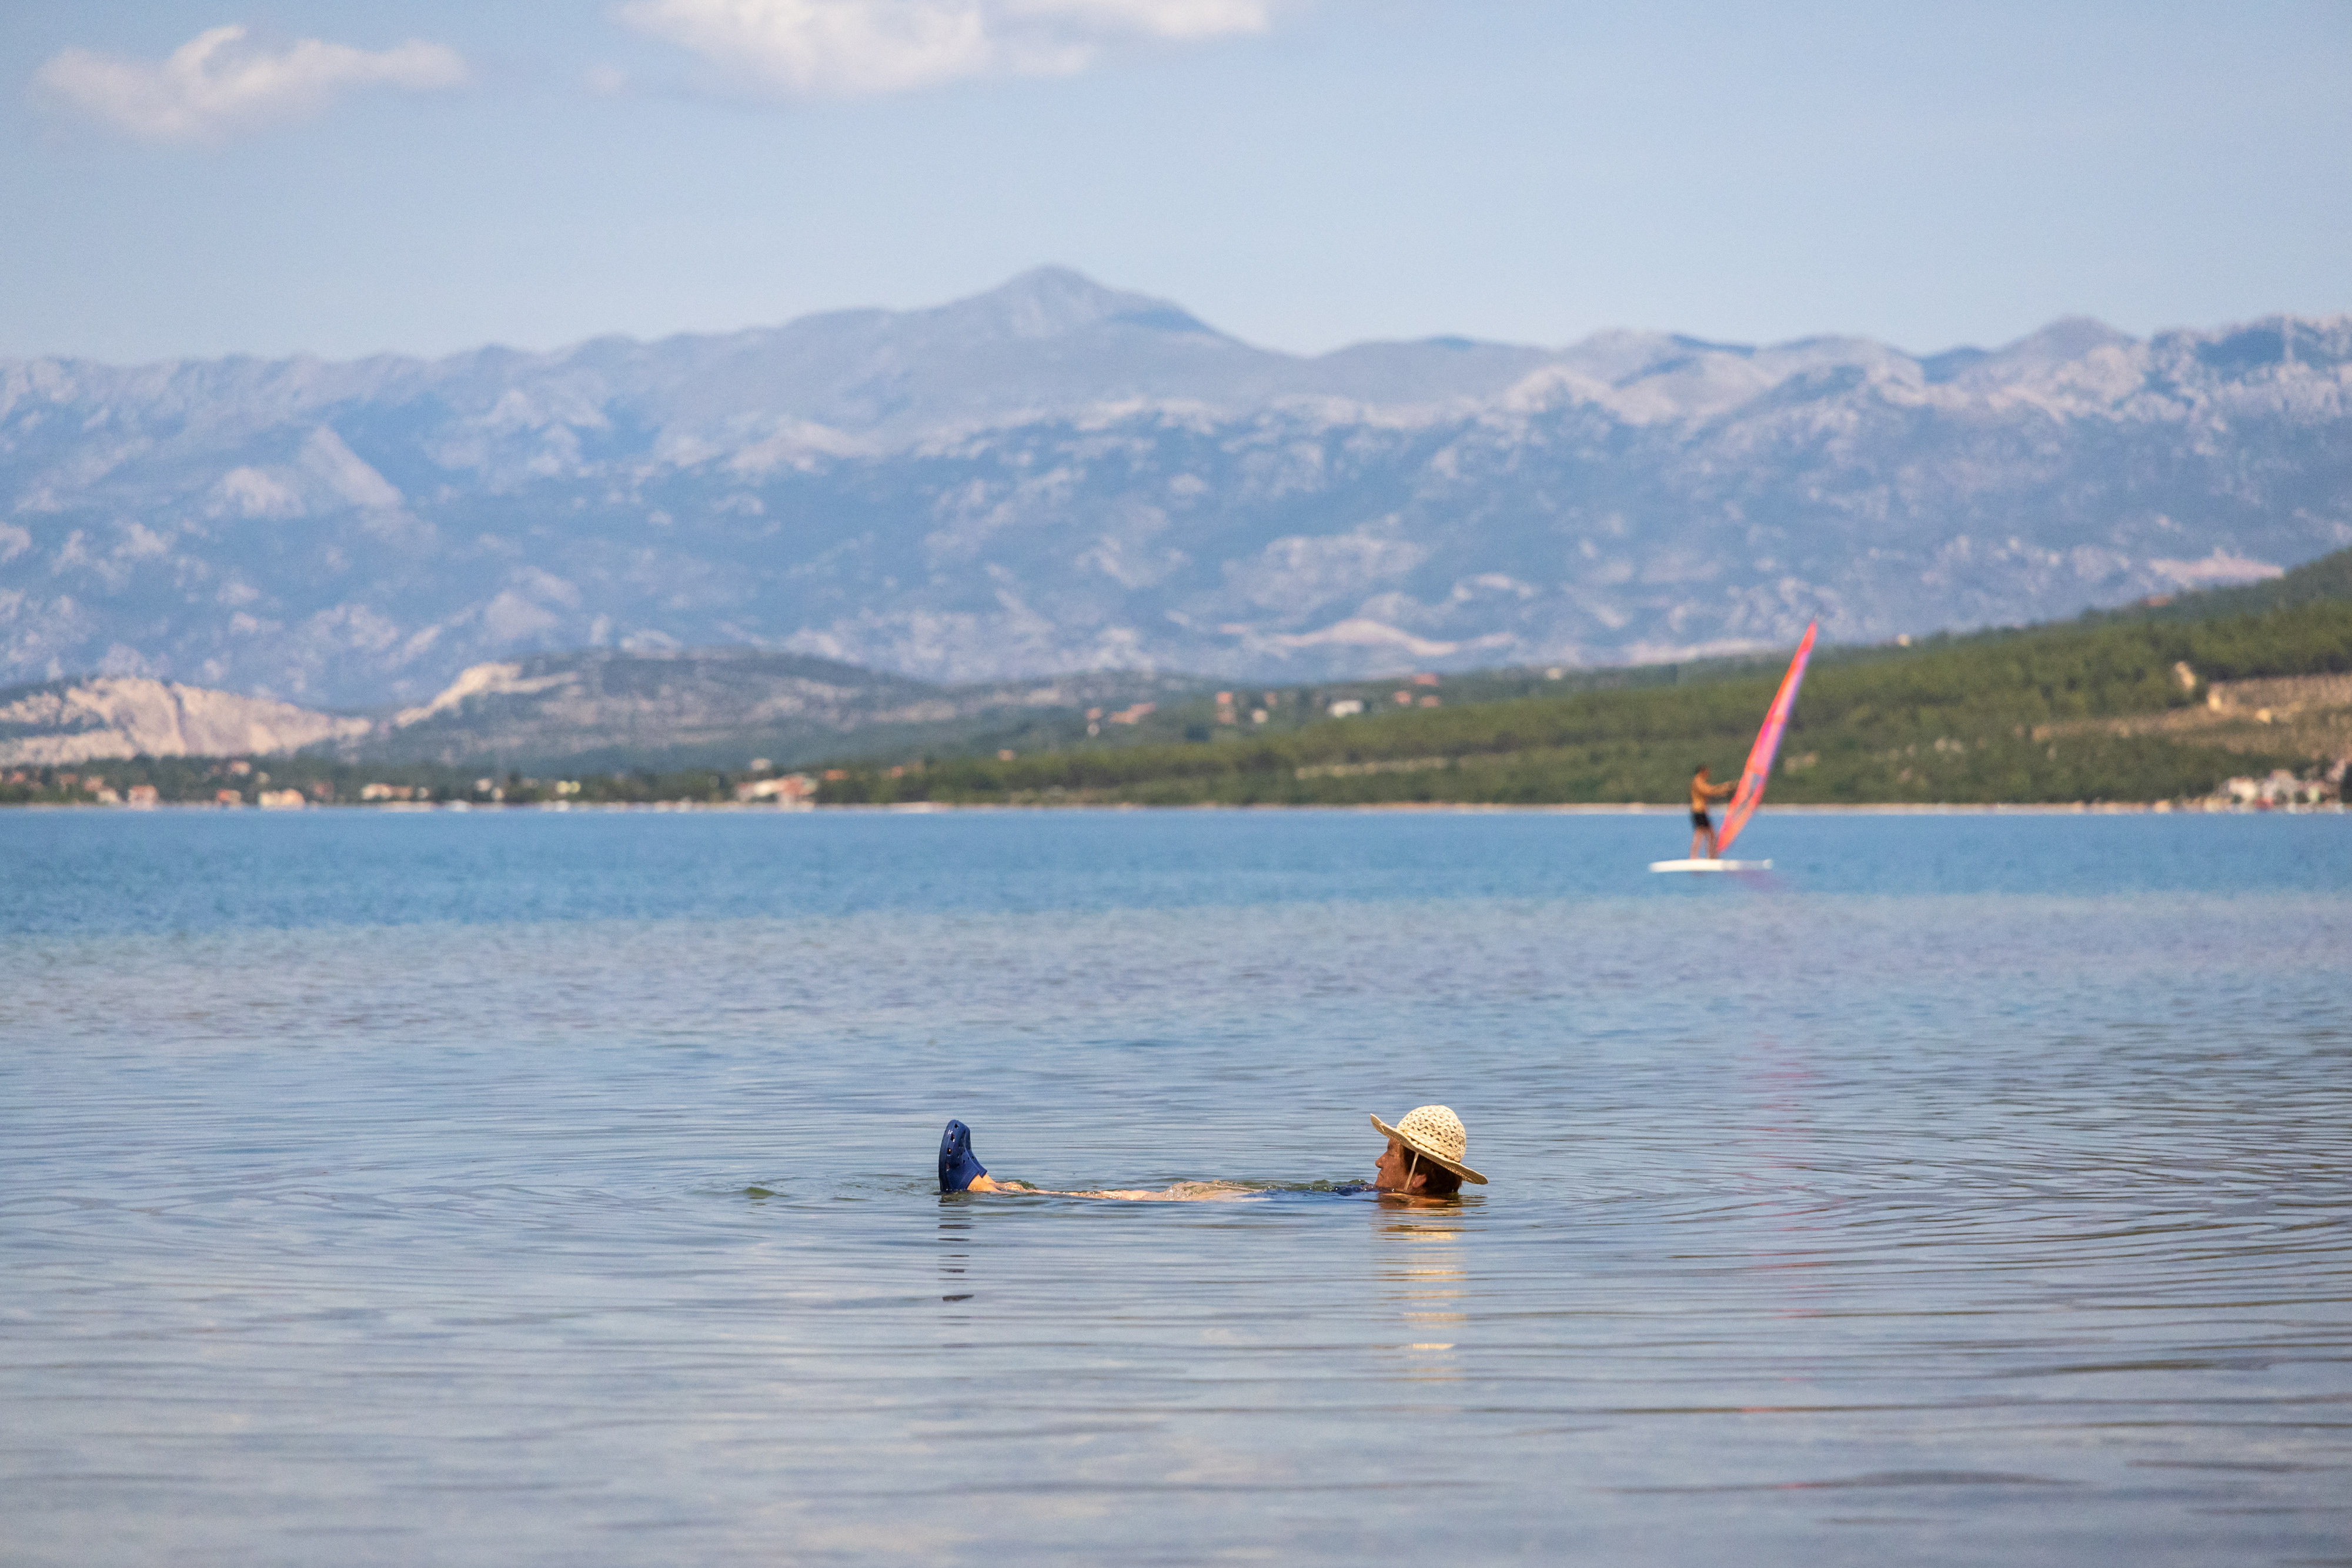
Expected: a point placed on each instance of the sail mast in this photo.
(1752, 778)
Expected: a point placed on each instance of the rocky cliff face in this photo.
(74, 721)
(1059, 477)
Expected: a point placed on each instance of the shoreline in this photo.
(1619, 809)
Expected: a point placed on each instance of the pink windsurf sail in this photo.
(1750, 793)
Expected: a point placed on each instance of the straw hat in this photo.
(1435, 1134)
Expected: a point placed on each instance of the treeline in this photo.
(1980, 718)
(2328, 578)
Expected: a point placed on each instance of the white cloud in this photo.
(850, 48)
(217, 84)
(1151, 18)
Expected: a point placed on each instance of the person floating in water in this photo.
(1703, 825)
(1422, 1161)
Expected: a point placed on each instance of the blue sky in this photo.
(344, 178)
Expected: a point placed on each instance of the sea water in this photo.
(535, 1188)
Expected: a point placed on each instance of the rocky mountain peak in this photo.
(1053, 302)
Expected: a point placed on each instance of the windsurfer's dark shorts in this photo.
(1701, 820)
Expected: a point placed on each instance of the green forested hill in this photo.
(2328, 578)
(2023, 716)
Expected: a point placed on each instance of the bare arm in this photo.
(1179, 1192)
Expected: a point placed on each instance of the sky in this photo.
(205, 177)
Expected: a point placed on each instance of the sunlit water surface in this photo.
(527, 1188)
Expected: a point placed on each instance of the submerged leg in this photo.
(959, 1167)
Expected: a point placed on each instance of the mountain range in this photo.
(1056, 476)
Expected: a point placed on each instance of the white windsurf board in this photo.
(1710, 865)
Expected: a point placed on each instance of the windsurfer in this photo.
(1701, 825)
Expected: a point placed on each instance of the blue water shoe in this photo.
(959, 1168)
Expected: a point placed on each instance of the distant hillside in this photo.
(2101, 705)
(1058, 476)
(585, 712)
(2325, 580)
(1289, 708)
(600, 710)
(2114, 708)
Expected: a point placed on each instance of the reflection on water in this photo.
(1424, 1281)
(1973, 1190)
(955, 1260)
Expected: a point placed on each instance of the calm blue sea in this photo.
(536, 1189)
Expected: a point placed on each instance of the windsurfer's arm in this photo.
(1723, 790)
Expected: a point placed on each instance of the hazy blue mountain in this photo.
(1056, 475)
